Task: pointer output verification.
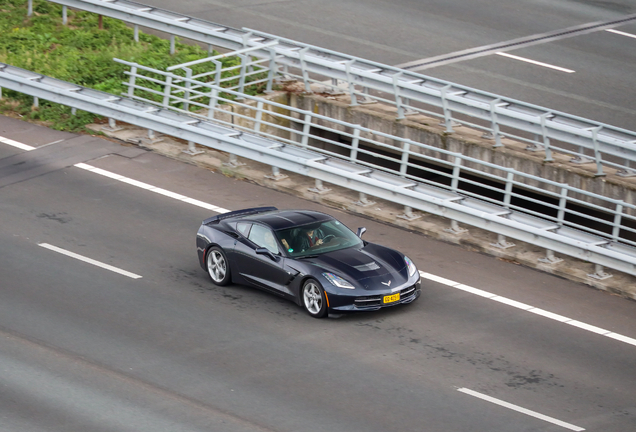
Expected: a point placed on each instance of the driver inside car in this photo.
(311, 237)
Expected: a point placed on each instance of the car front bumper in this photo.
(374, 300)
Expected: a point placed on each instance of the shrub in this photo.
(78, 52)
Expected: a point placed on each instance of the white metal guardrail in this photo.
(499, 117)
(600, 250)
(415, 162)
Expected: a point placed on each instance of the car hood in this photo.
(363, 265)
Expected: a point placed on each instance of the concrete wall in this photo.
(426, 130)
(470, 143)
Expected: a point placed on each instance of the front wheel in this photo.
(314, 300)
(218, 268)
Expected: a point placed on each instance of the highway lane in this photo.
(83, 347)
(399, 31)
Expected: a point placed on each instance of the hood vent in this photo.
(367, 267)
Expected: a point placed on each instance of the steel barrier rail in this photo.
(497, 116)
(568, 241)
(405, 153)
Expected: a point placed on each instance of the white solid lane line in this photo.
(89, 260)
(528, 308)
(130, 181)
(425, 275)
(151, 188)
(520, 409)
(534, 62)
(618, 32)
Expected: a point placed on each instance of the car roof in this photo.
(284, 219)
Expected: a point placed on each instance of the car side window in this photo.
(263, 237)
(243, 228)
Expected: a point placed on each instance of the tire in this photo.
(313, 299)
(217, 266)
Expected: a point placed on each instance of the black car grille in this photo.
(376, 300)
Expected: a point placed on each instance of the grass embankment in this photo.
(79, 52)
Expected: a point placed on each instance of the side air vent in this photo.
(231, 234)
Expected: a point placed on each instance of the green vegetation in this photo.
(79, 52)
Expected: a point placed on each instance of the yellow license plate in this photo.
(391, 298)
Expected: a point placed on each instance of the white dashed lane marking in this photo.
(89, 260)
(534, 62)
(520, 409)
(618, 32)
(151, 188)
(16, 144)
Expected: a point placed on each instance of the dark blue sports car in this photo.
(305, 256)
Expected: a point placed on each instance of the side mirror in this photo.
(265, 251)
(361, 231)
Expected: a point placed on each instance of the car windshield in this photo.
(317, 238)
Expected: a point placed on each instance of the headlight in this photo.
(338, 281)
(410, 265)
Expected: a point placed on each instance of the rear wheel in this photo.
(218, 268)
(314, 300)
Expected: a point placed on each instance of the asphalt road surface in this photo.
(588, 74)
(107, 322)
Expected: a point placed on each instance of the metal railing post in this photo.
(550, 258)
(448, 118)
(508, 192)
(599, 273)
(351, 85)
(192, 149)
(30, 8)
(456, 173)
(304, 139)
(273, 70)
(398, 98)
(276, 174)
(214, 93)
(455, 228)
(494, 123)
(502, 243)
(354, 144)
(64, 15)
(404, 163)
(618, 215)
(546, 139)
(136, 33)
(241, 88)
(112, 126)
(409, 215)
(319, 188)
(562, 206)
(132, 80)
(167, 92)
(246, 38)
(303, 68)
(363, 201)
(186, 93)
(598, 158)
(258, 116)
